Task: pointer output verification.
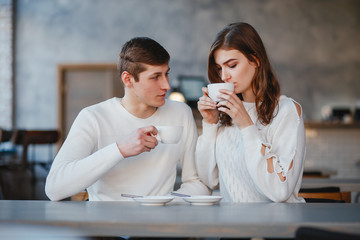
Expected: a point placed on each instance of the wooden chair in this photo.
(5, 155)
(311, 233)
(33, 138)
(6, 159)
(315, 174)
(26, 138)
(325, 194)
(81, 196)
(5, 135)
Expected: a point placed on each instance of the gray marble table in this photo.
(175, 219)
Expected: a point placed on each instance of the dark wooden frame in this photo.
(62, 88)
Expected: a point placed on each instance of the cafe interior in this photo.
(60, 56)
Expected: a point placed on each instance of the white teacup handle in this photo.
(157, 136)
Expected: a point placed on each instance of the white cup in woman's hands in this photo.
(214, 88)
(169, 134)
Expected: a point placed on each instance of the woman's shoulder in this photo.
(288, 105)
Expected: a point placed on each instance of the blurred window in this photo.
(190, 87)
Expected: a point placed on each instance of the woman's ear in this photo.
(127, 78)
(256, 60)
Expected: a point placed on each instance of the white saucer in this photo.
(203, 200)
(153, 200)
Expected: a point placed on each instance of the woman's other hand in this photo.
(233, 106)
(207, 108)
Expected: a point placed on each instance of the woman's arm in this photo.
(205, 155)
(275, 166)
(191, 183)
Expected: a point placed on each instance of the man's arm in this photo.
(79, 163)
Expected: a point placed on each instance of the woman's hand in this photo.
(207, 108)
(233, 106)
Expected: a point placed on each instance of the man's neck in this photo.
(139, 110)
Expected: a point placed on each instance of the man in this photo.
(111, 148)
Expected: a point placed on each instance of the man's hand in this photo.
(141, 140)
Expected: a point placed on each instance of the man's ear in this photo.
(127, 79)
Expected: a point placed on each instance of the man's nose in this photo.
(165, 83)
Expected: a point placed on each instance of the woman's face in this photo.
(235, 68)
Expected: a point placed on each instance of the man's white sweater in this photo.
(89, 158)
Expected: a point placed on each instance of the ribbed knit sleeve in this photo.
(205, 155)
(78, 165)
(285, 144)
(191, 183)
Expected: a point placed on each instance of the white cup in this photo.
(169, 134)
(214, 88)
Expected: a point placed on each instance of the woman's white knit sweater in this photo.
(232, 158)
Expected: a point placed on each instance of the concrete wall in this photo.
(333, 151)
(6, 60)
(313, 44)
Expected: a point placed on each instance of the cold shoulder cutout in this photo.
(238, 160)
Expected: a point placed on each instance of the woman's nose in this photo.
(225, 75)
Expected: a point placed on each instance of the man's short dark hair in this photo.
(139, 51)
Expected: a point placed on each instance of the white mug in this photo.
(214, 88)
(169, 134)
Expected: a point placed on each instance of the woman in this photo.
(253, 143)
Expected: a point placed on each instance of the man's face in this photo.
(152, 85)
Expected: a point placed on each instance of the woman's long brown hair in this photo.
(243, 37)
